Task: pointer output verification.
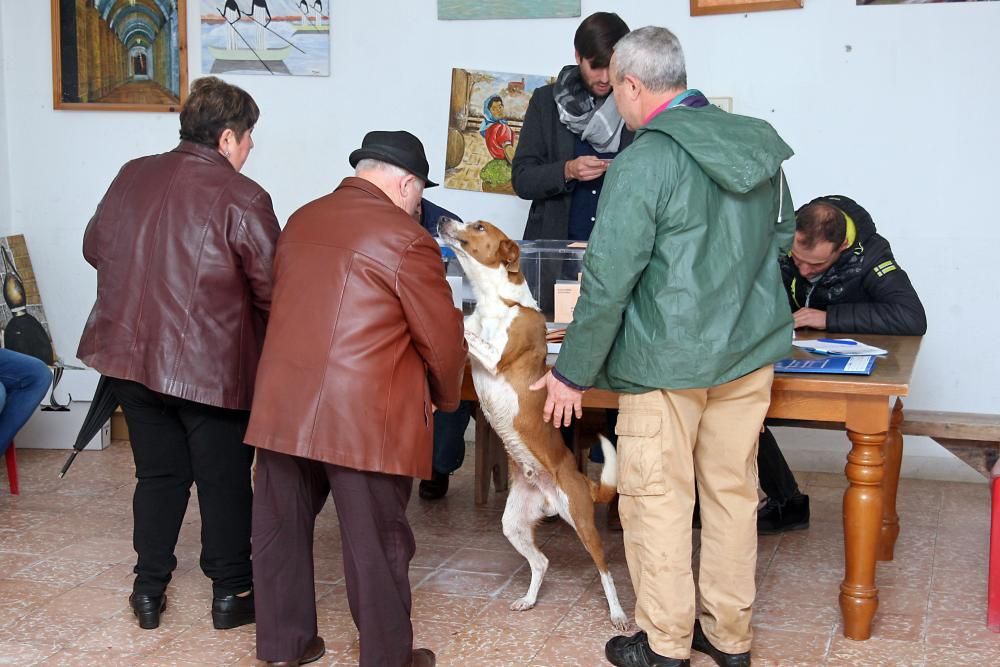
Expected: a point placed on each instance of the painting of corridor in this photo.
(119, 54)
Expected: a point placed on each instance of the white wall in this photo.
(894, 106)
(5, 223)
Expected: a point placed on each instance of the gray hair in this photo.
(652, 55)
(371, 164)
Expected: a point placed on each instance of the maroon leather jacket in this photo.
(183, 246)
(363, 338)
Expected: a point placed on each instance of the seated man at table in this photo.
(449, 427)
(841, 277)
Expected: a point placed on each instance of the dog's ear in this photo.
(510, 252)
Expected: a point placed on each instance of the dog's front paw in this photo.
(620, 622)
(522, 604)
(483, 352)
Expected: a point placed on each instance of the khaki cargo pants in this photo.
(667, 441)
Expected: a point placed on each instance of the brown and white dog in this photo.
(506, 336)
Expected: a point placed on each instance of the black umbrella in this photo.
(101, 408)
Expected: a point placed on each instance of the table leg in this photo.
(893, 453)
(862, 521)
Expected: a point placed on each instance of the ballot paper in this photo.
(839, 347)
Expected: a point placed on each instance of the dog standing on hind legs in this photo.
(506, 336)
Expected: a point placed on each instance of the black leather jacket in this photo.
(865, 291)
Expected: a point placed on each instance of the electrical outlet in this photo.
(724, 103)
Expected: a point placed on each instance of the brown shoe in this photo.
(423, 657)
(614, 521)
(314, 651)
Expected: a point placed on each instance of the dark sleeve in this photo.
(256, 238)
(430, 213)
(535, 173)
(435, 324)
(893, 307)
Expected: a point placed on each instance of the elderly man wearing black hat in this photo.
(363, 343)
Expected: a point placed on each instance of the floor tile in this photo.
(66, 571)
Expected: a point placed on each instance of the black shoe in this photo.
(634, 651)
(701, 644)
(232, 611)
(778, 516)
(314, 651)
(147, 608)
(434, 488)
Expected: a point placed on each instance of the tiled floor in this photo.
(65, 573)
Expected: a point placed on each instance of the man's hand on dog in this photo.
(562, 401)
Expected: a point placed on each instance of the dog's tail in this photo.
(607, 489)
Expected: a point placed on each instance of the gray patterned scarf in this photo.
(595, 121)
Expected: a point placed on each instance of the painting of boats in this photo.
(271, 37)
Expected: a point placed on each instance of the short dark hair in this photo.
(596, 37)
(819, 221)
(215, 106)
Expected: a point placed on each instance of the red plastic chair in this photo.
(11, 457)
(993, 583)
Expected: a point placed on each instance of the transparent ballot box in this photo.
(552, 270)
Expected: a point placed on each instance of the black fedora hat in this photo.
(399, 148)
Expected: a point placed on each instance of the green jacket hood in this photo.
(736, 152)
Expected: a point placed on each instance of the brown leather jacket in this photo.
(183, 245)
(363, 337)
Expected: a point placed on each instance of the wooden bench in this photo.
(972, 437)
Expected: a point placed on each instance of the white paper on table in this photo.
(839, 346)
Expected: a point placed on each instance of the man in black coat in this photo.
(840, 276)
(572, 131)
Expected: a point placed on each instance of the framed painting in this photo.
(705, 7)
(23, 325)
(119, 55)
(911, 2)
(276, 37)
(485, 117)
(450, 10)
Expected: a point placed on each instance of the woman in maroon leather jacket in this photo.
(182, 244)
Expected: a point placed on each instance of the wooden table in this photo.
(864, 405)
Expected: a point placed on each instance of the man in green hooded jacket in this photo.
(682, 310)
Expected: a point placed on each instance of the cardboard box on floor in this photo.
(58, 429)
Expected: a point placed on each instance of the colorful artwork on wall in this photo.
(705, 7)
(22, 318)
(484, 119)
(280, 37)
(119, 55)
(507, 9)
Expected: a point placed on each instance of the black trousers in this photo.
(377, 545)
(776, 478)
(175, 443)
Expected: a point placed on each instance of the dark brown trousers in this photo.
(377, 547)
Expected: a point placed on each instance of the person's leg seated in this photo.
(725, 457)
(378, 546)
(786, 508)
(656, 434)
(449, 450)
(221, 466)
(25, 380)
(289, 492)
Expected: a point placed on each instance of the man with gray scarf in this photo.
(571, 132)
